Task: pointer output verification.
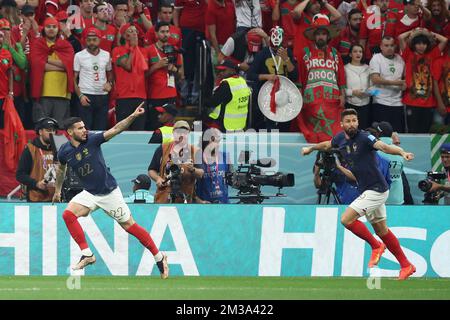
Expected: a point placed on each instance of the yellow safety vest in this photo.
(235, 117)
(167, 134)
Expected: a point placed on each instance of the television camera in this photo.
(425, 185)
(248, 179)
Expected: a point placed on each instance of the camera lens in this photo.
(424, 185)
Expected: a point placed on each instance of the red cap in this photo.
(61, 16)
(93, 32)
(4, 24)
(124, 28)
(51, 21)
(254, 41)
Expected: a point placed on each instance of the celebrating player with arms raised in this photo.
(83, 154)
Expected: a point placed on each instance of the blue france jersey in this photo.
(361, 158)
(88, 163)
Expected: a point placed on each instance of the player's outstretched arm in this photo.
(322, 146)
(393, 149)
(125, 123)
(60, 174)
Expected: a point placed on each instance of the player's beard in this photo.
(80, 139)
(351, 132)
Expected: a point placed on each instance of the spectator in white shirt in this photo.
(386, 72)
(93, 81)
(358, 82)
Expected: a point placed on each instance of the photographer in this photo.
(212, 187)
(172, 168)
(165, 67)
(435, 187)
(327, 170)
(36, 169)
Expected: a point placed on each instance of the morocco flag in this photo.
(14, 135)
(319, 122)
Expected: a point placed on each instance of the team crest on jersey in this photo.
(355, 147)
(5, 61)
(78, 156)
(110, 37)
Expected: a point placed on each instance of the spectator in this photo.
(212, 186)
(358, 82)
(386, 72)
(166, 117)
(412, 17)
(190, 17)
(51, 77)
(93, 81)
(103, 15)
(307, 10)
(36, 171)
(289, 21)
(230, 100)
(441, 84)
(82, 19)
(130, 65)
(269, 63)
(6, 76)
(141, 190)
(439, 19)
(221, 24)
(52, 8)
(349, 35)
(242, 46)
(140, 17)
(19, 64)
(344, 9)
(418, 51)
(9, 11)
(248, 15)
(181, 154)
(165, 14)
(66, 33)
(164, 71)
(375, 26)
(322, 77)
(28, 30)
(396, 164)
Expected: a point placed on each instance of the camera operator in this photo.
(346, 189)
(435, 187)
(212, 187)
(172, 168)
(36, 169)
(165, 67)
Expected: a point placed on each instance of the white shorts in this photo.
(372, 205)
(112, 203)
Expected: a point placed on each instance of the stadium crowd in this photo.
(388, 59)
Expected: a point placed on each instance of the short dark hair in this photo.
(161, 24)
(348, 112)
(165, 4)
(69, 122)
(119, 2)
(352, 12)
(387, 38)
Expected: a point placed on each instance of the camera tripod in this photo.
(327, 189)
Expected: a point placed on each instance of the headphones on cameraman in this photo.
(40, 123)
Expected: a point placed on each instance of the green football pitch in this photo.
(221, 288)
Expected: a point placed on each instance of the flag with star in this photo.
(14, 135)
(319, 122)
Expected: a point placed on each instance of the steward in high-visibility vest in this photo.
(167, 115)
(230, 100)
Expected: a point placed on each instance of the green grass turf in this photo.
(225, 288)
